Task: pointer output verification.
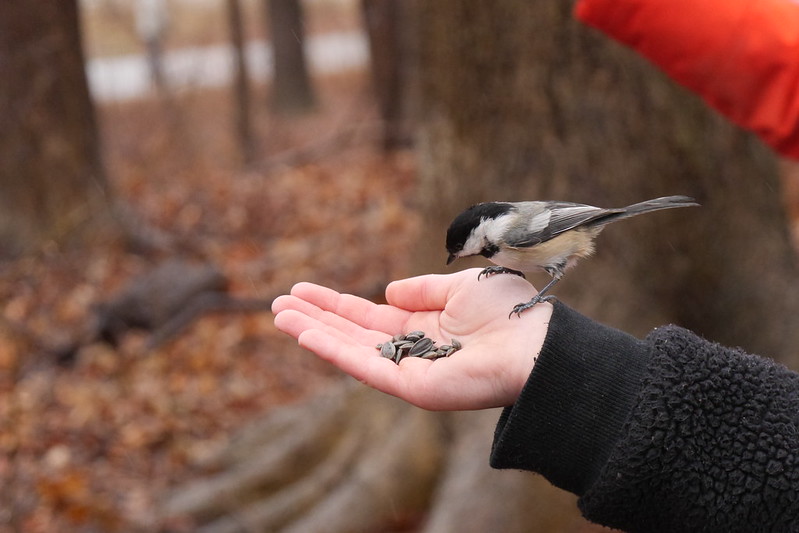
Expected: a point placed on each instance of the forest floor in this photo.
(93, 446)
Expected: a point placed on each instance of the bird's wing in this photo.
(556, 218)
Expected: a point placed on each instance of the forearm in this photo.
(672, 433)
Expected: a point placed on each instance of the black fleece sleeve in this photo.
(673, 433)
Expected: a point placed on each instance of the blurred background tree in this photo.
(291, 91)
(152, 25)
(392, 42)
(52, 177)
(241, 83)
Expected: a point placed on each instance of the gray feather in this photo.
(564, 216)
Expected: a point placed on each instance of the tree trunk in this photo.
(51, 175)
(520, 102)
(291, 86)
(388, 26)
(152, 21)
(241, 94)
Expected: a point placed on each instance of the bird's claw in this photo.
(518, 309)
(491, 270)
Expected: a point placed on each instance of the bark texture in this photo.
(292, 91)
(51, 175)
(521, 102)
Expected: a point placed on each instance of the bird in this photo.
(529, 236)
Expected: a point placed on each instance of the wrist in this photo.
(533, 328)
(571, 410)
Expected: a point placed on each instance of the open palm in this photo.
(497, 356)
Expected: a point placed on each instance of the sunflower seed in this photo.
(388, 350)
(421, 346)
(415, 344)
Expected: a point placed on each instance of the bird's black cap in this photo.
(463, 224)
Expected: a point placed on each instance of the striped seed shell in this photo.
(388, 350)
(420, 347)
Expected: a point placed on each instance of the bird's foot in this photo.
(490, 271)
(518, 309)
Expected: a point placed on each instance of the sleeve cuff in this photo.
(570, 413)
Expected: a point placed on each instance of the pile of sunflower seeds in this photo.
(415, 344)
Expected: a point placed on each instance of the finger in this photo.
(435, 385)
(365, 365)
(425, 293)
(426, 384)
(361, 362)
(286, 302)
(380, 319)
(299, 315)
(295, 323)
(283, 302)
(353, 308)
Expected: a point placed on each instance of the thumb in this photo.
(430, 292)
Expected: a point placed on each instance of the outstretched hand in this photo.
(490, 370)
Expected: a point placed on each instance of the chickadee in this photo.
(527, 236)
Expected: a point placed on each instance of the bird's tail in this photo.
(665, 202)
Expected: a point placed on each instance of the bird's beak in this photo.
(451, 258)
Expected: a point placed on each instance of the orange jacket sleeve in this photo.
(740, 56)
